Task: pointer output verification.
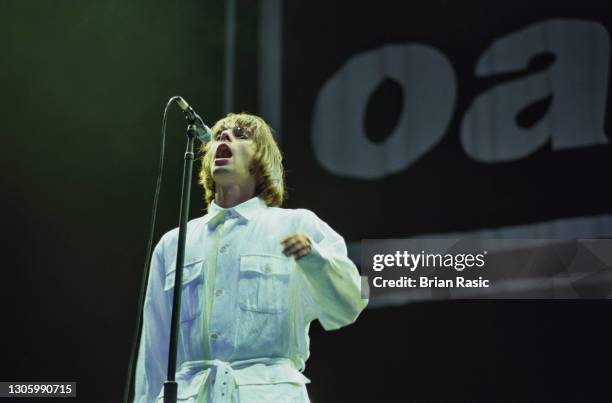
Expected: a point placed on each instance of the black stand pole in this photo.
(170, 386)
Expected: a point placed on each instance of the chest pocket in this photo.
(191, 297)
(263, 285)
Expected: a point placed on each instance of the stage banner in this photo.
(448, 119)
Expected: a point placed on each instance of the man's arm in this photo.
(152, 361)
(332, 282)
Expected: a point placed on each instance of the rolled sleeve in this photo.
(332, 282)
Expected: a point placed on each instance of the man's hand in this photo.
(296, 245)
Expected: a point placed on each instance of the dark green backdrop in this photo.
(83, 86)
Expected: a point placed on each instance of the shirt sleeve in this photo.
(332, 282)
(152, 361)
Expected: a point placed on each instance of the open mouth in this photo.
(223, 151)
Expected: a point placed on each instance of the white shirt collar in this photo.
(247, 210)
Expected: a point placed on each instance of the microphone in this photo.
(203, 132)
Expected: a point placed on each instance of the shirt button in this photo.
(223, 249)
(219, 292)
(214, 336)
(267, 268)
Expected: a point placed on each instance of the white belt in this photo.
(256, 371)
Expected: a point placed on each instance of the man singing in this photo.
(255, 276)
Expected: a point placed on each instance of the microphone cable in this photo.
(145, 276)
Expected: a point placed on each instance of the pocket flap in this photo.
(191, 271)
(261, 374)
(268, 265)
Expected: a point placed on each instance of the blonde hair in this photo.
(267, 165)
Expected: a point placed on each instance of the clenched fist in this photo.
(296, 245)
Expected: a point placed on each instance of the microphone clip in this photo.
(194, 122)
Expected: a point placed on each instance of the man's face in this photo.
(233, 150)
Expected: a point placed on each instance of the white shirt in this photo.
(246, 307)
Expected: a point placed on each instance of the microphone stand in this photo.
(170, 385)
